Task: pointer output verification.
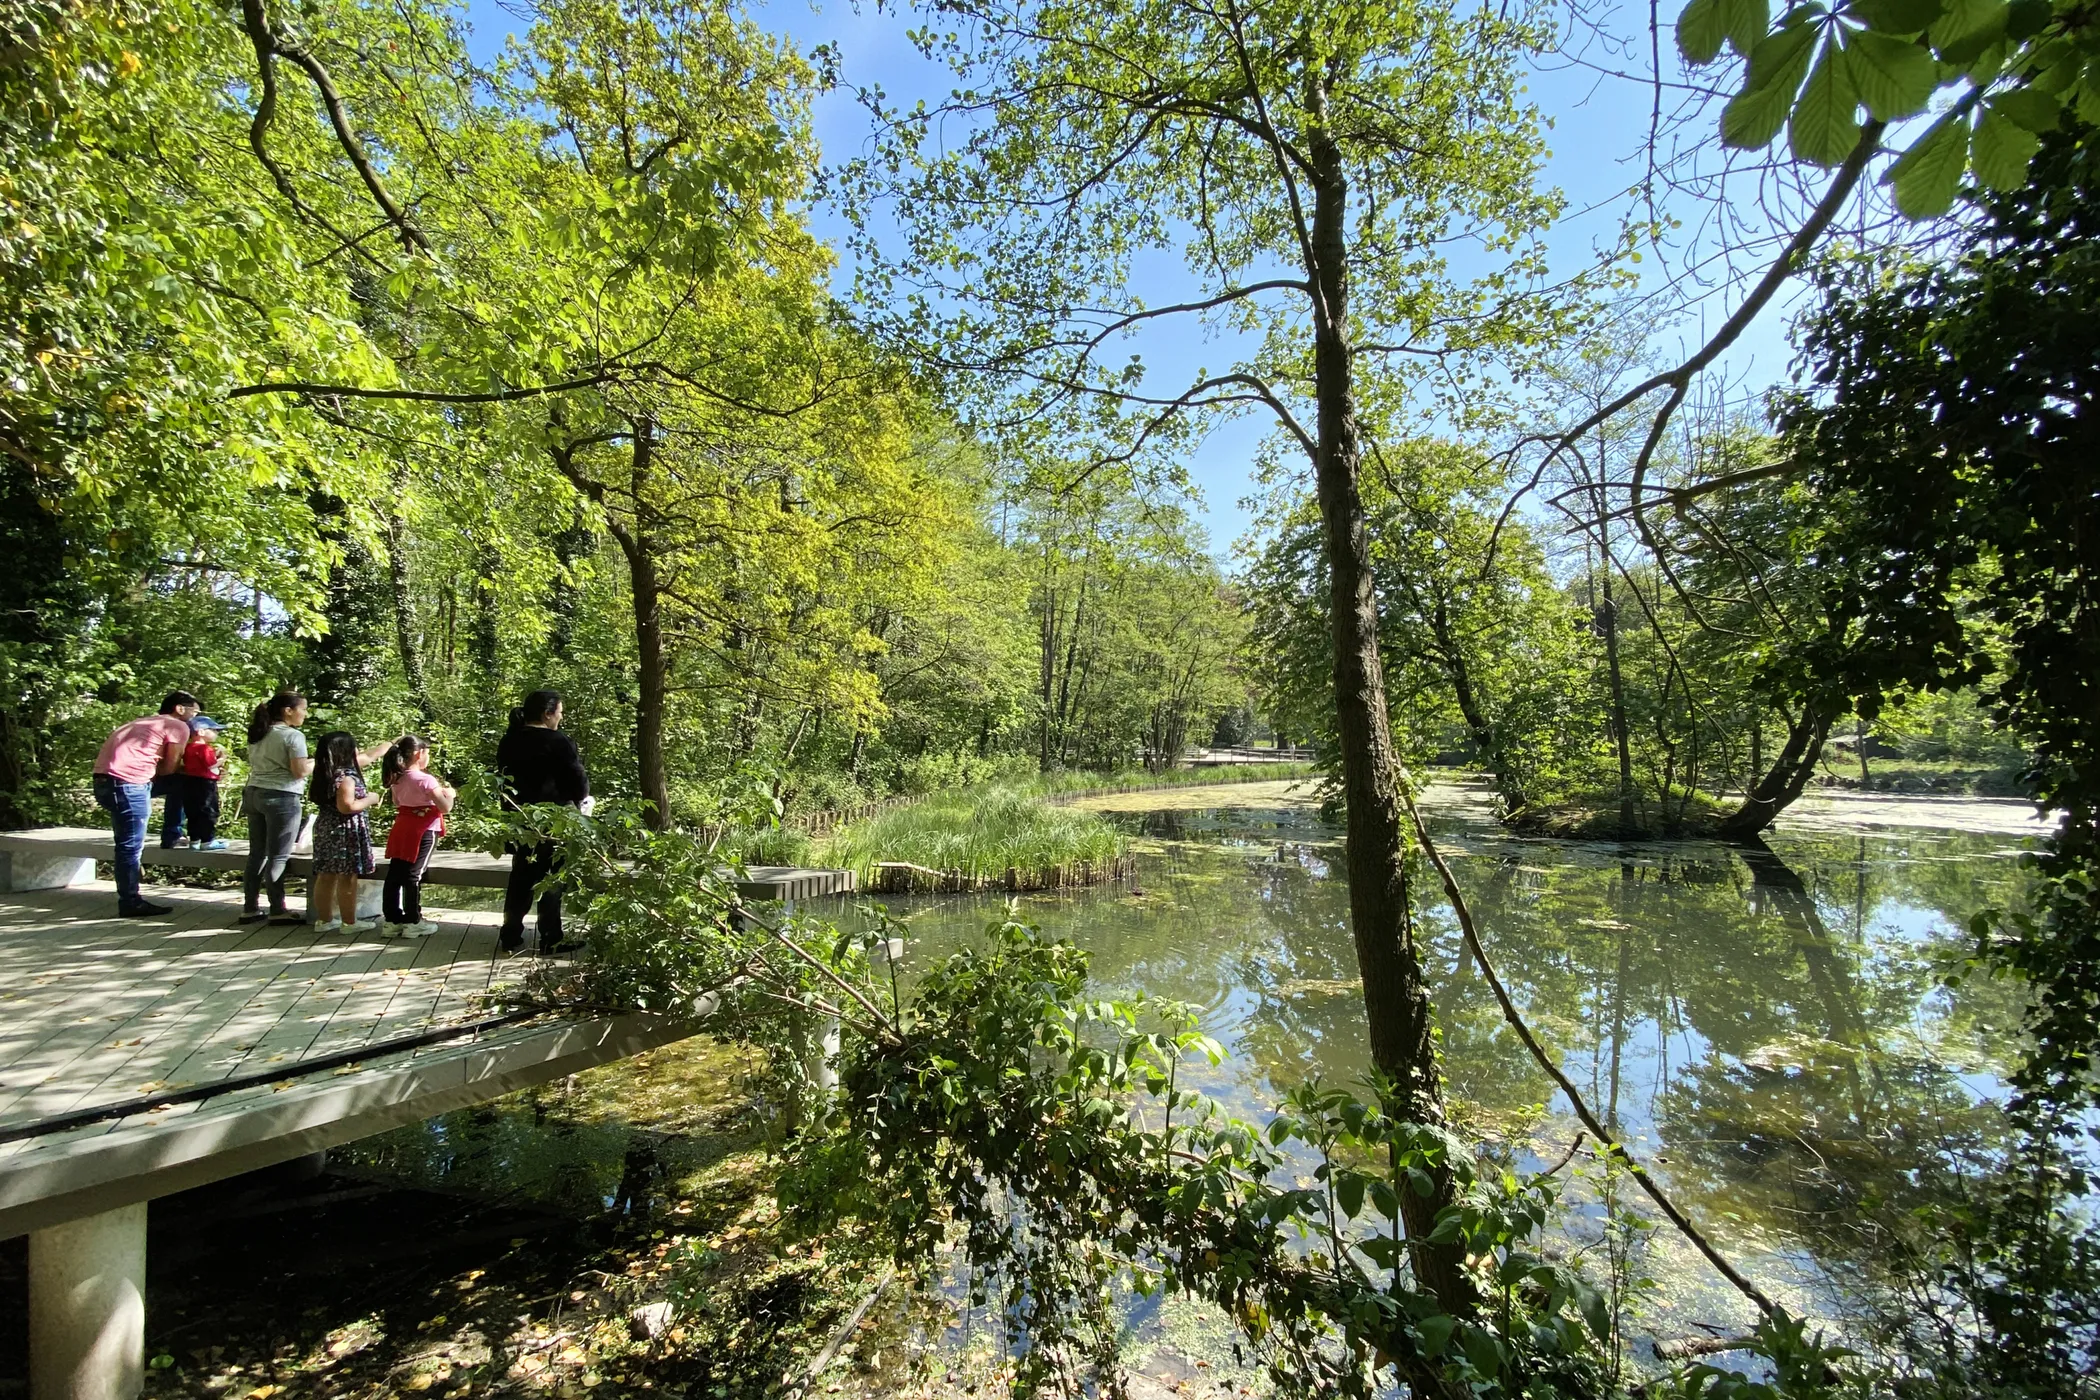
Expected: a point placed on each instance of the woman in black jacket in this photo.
(539, 764)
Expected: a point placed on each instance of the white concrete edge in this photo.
(127, 1164)
(54, 845)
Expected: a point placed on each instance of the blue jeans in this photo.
(130, 808)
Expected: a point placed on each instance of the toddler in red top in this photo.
(193, 789)
(420, 804)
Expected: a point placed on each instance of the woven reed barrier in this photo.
(902, 877)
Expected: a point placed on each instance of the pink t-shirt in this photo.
(132, 753)
(415, 788)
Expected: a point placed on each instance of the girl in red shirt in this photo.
(420, 804)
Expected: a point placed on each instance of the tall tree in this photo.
(1310, 160)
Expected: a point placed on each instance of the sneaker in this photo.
(286, 917)
(180, 843)
(511, 941)
(557, 948)
(145, 910)
(251, 916)
(421, 930)
(330, 926)
(360, 926)
(209, 846)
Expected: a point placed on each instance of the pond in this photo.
(1768, 1029)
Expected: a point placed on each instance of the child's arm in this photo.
(346, 799)
(446, 796)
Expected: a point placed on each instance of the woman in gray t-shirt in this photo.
(277, 771)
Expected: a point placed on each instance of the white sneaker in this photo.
(362, 926)
(422, 930)
(329, 926)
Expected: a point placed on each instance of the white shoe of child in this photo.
(329, 926)
(361, 926)
(422, 930)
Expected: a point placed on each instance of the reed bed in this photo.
(980, 839)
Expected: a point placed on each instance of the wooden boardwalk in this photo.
(96, 1008)
(99, 1012)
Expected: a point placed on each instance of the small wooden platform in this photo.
(50, 848)
(99, 1011)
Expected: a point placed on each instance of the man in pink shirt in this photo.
(131, 758)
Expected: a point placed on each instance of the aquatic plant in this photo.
(977, 834)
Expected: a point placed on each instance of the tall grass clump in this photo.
(979, 834)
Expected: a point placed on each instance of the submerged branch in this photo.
(1567, 1086)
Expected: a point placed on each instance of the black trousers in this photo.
(191, 802)
(403, 894)
(528, 866)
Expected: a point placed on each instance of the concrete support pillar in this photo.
(87, 1307)
(815, 1069)
(27, 870)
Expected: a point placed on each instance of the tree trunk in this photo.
(1608, 624)
(404, 604)
(1478, 727)
(1396, 999)
(1788, 775)
(651, 674)
(1047, 672)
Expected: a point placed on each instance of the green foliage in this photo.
(1963, 487)
(193, 332)
(1485, 654)
(1067, 1158)
(2017, 70)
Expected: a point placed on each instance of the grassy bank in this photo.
(976, 833)
(1595, 816)
(1953, 776)
(1074, 783)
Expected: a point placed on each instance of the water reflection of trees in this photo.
(1790, 1064)
(1769, 1021)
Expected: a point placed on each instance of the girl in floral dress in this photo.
(342, 834)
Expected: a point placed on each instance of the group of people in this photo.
(174, 755)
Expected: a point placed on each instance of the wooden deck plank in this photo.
(188, 962)
(100, 1009)
(81, 956)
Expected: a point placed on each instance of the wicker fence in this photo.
(902, 877)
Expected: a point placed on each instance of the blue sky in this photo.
(1599, 127)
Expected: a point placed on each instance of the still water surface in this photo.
(1769, 1028)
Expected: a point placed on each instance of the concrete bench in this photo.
(53, 857)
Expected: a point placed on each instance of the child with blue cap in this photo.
(193, 790)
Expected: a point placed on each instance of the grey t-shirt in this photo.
(270, 760)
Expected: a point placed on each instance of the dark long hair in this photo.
(399, 755)
(176, 698)
(270, 711)
(335, 757)
(537, 706)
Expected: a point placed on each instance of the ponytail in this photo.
(270, 711)
(399, 755)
